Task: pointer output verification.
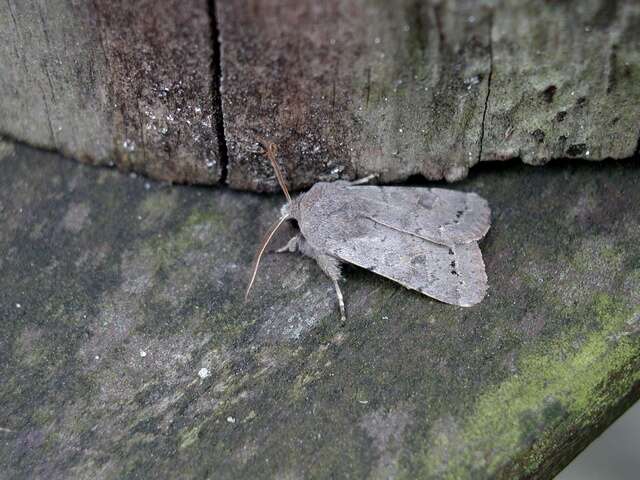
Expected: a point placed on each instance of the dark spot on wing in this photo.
(453, 268)
(456, 220)
(450, 251)
(418, 260)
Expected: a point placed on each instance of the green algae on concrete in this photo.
(549, 395)
(128, 351)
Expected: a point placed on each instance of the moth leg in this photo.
(291, 246)
(343, 315)
(362, 181)
(331, 266)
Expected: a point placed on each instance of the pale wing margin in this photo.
(443, 216)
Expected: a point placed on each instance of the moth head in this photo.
(285, 210)
(271, 150)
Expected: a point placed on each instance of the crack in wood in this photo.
(486, 102)
(216, 73)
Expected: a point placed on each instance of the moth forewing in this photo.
(442, 216)
(341, 221)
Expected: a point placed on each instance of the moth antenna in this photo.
(263, 247)
(271, 150)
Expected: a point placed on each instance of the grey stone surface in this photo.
(127, 350)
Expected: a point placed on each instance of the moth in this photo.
(425, 239)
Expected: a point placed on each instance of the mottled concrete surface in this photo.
(127, 351)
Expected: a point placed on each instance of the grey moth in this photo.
(425, 239)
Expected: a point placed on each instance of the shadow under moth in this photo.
(425, 239)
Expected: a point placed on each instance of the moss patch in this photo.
(559, 385)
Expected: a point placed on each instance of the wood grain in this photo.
(118, 83)
(346, 88)
(351, 88)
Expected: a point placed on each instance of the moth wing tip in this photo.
(471, 303)
(474, 298)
